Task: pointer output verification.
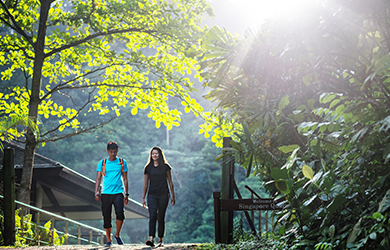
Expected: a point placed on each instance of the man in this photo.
(113, 171)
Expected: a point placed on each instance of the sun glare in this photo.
(257, 11)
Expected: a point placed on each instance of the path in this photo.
(188, 246)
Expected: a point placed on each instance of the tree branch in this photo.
(85, 39)
(57, 137)
(16, 27)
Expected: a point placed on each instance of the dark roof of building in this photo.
(59, 189)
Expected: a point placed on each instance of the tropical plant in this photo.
(312, 99)
(26, 233)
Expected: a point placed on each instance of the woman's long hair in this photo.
(161, 157)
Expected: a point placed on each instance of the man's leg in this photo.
(108, 234)
(119, 224)
(106, 211)
(119, 204)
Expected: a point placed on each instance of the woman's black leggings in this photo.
(157, 207)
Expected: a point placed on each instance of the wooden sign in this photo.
(248, 205)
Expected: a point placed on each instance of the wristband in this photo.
(127, 194)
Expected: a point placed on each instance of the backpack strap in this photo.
(121, 163)
(104, 165)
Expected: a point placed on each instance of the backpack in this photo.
(104, 165)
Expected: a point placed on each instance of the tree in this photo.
(312, 97)
(101, 55)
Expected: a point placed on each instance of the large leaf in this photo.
(284, 102)
(282, 186)
(385, 203)
(289, 148)
(278, 173)
(307, 172)
(291, 159)
(355, 232)
(335, 204)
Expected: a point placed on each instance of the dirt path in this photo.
(114, 247)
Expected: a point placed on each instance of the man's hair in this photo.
(112, 145)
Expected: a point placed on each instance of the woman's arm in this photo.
(146, 182)
(169, 176)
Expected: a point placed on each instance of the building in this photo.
(58, 189)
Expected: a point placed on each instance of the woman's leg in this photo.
(152, 208)
(162, 208)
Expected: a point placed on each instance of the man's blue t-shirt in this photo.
(112, 182)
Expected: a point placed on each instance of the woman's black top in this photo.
(157, 179)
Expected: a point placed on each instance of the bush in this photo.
(27, 235)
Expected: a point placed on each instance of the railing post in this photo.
(90, 236)
(102, 239)
(22, 222)
(38, 232)
(217, 216)
(252, 212)
(9, 196)
(66, 233)
(259, 222)
(52, 232)
(79, 236)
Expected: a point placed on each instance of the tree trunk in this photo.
(31, 141)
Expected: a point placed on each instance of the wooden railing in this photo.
(80, 238)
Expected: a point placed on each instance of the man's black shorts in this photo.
(119, 203)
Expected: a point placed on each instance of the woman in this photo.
(157, 172)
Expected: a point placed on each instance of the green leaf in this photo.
(284, 102)
(332, 230)
(307, 79)
(307, 172)
(385, 203)
(334, 103)
(289, 148)
(278, 173)
(327, 98)
(291, 159)
(355, 231)
(282, 186)
(335, 204)
(377, 215)
(249, 166)
(311, 103)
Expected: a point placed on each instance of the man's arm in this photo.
(97, 184)
(126, 185)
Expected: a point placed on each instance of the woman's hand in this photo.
(144, 202)
(173, 201)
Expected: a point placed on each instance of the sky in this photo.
(238, 15)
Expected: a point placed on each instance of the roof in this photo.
(61, 190)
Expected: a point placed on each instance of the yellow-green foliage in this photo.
(27, 235)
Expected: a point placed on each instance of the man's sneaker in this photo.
(119, 240)
(108, 244)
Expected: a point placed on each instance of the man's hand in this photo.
(97, 196)
(126, 199)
